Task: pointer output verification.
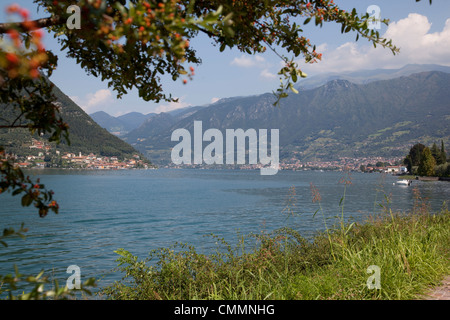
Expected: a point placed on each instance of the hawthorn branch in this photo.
(35, 24)
(14, 126)
(207, 32)
(17, 119)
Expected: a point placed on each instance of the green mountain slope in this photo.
(338, 119)
(85, 135)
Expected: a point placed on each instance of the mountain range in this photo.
(352, 115)
(122, 124)
(126, 123)
(337, 119)
(367, 76)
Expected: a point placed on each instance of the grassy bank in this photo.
(411, 251)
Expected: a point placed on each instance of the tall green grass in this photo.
(411, 250)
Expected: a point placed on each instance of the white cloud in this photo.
(412, 35)
(94, 101)
(100, 97)
(214, 100)
(266, 74)
(172, 106)
(259, 62)
(248, 61)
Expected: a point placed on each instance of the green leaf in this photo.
(17, 191)
(315, 213)
(294, 76)
(293, 89)
(8, 232)
(350, 227)
(26, 200)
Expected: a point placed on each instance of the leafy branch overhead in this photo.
(133, 45)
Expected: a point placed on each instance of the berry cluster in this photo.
(22, 53)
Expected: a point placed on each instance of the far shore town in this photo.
(80, 161)
(44, 157)
(364, 164)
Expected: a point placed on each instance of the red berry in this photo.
(38, 33)
(34, 73)
(12, 58)
(13, 34)
(12, 8)
(24, 13)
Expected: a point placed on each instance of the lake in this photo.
(141, 210)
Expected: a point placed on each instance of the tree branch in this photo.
(13, 127)
(209, 33)
(36, 24)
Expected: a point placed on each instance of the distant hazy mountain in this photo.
(123, 124)
(367, 76)
(108, 122)
(339, 118)
(133, 120)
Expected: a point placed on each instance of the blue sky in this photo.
(421, 30)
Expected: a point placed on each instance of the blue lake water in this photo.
(141, 210)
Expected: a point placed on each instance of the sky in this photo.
(420, 30)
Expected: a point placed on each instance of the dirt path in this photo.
(440, 293)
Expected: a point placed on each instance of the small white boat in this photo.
(404, 182)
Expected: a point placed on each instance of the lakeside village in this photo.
(45, 158)
(367, 164)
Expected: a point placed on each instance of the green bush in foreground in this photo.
(411, 251)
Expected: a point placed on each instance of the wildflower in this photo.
(315, 193)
